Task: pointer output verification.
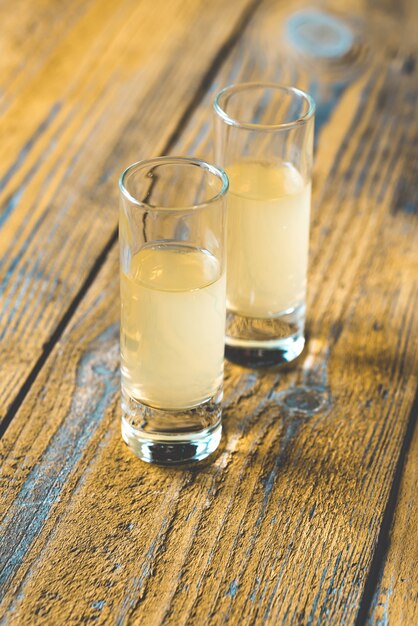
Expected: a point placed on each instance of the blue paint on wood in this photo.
(311, 512)
(200, 137)
(317, 596)
(40, 284)
(43, 126)
(34, 276)
(138, 583)
(23, 285)
(9, 275)
(383, 620)
(28, 285)
(319, 35)
(44, 484)
(235, 70)
(98, 604)
(233, 588)
(284, 560)
(405, 195)
(18, 257)
(10, 204)
(190, 513)
(325, 101)
(269, 483)
(331, 589)
(253, 595)
(364, 100)
(16, 196)
(385, 617)
(105, 176)
(46, 278)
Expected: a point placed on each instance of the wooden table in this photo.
(306, 514)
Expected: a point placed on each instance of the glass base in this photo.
(264, 342)
(169, 437)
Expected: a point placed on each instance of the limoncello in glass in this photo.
(264, 139)
(173, 290)
(172, 326)
(268, 235)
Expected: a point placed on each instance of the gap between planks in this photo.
(383, 540)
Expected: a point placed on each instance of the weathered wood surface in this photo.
(282, 525)
(396, 597)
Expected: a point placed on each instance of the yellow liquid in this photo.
(268, 238)
(172, 326)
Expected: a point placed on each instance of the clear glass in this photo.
(264, 140)
(172, 257)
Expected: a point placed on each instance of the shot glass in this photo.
(172, 258)
(264, 141)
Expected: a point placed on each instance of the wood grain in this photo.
(28, 37)
(281, 526)
(396, 597)
(69, 130)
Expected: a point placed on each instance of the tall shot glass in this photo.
(264, 140)
(172, 255)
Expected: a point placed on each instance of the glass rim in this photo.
(173, 160)
(237, 87)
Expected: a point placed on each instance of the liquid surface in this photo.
(268, 238)
(172, 326)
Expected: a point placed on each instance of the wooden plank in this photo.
(68, 131)
(28, 36)
(281, 526)
(396, 596)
